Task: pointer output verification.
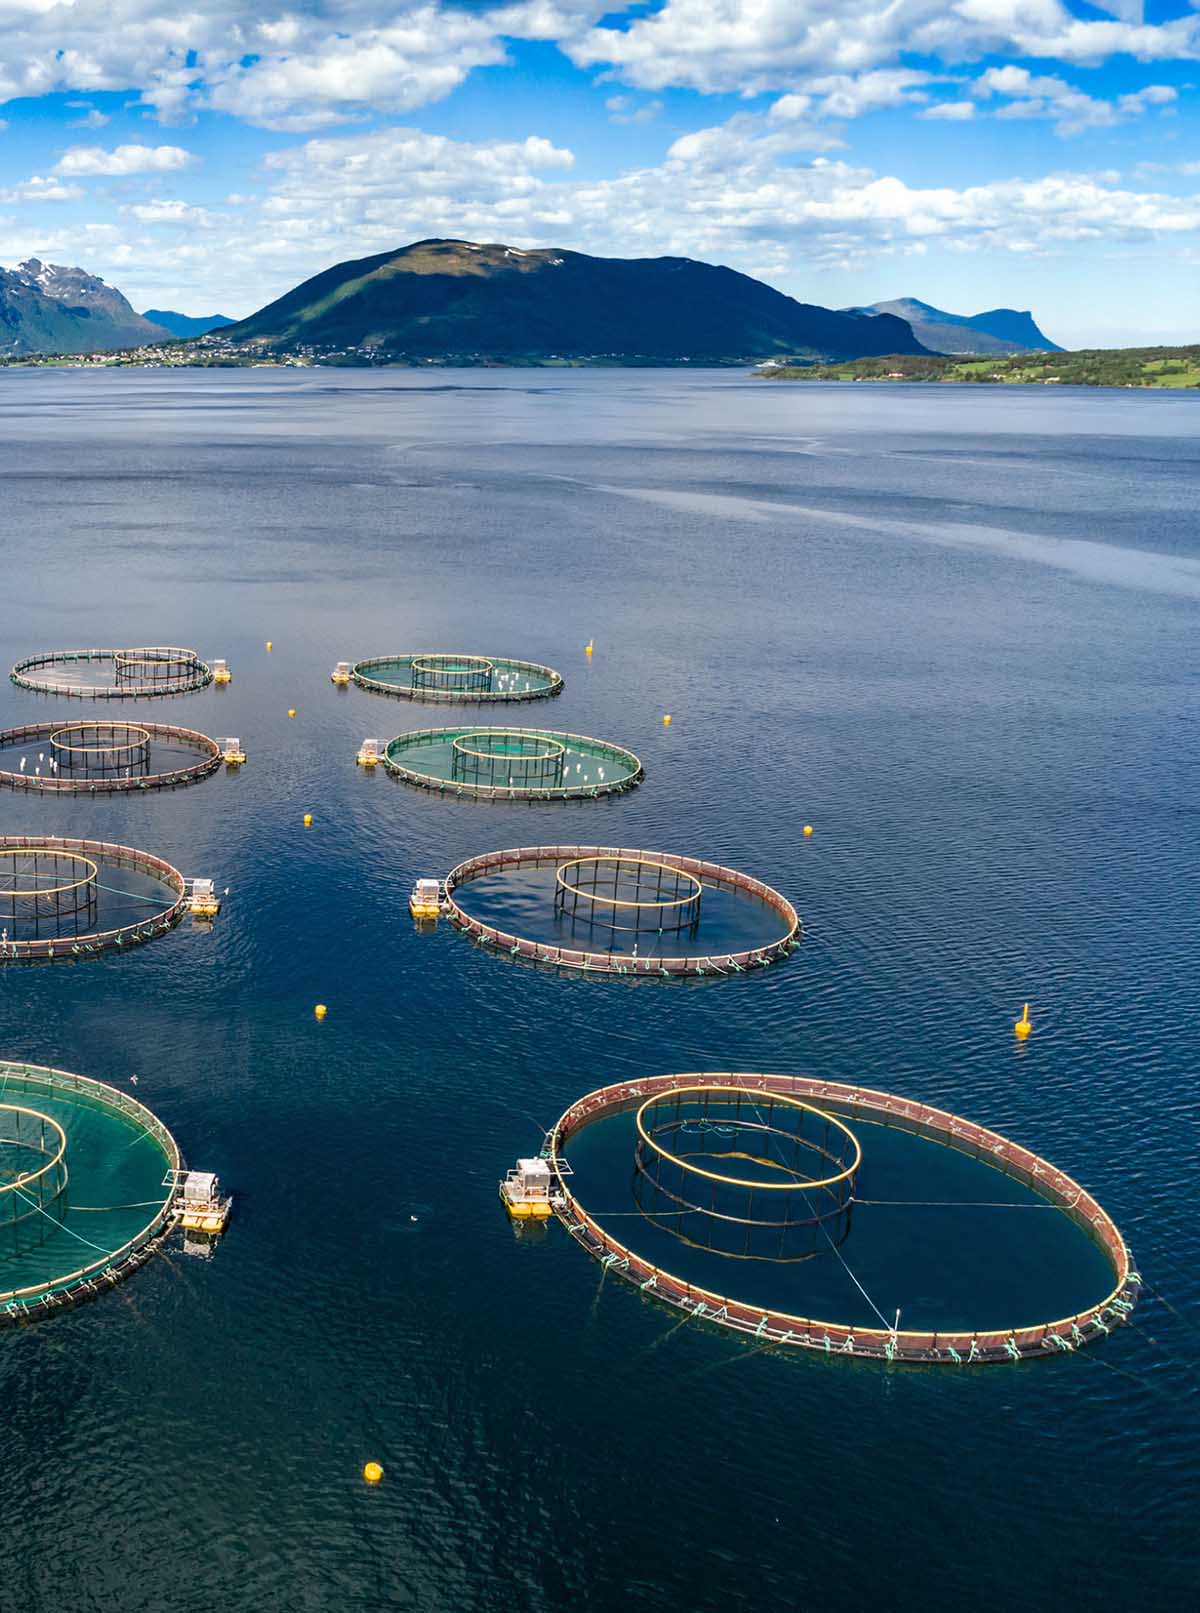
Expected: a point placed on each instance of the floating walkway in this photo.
(845, 1104)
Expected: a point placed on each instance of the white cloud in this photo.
(757, 45)
(626, 109)
(845, 95)
(1026, 95)
(950, 111)
(169, 212)
(122, 160)
(38, 189)
(306, 64)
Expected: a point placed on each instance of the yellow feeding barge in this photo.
(221, 673)
(340, 674)
(426, 899)
(525, 1191)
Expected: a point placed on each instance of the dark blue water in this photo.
(953, 630)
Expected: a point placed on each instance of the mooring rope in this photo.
(825, 1231)
(63, 1225)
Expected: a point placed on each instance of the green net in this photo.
(84, 1182)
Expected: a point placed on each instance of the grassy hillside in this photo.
(1118, 366)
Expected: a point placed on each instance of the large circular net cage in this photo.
(511, 764)
(628, 892)
(72, 899)
(438, 677)
(133, 672)
(46, 892)
(611, 910)
(748, 1175)
(104, 757)
(87, 1188)
(769, 1169)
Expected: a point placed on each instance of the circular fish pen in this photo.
(511, 764)
(87, 1188)
(759, 1177)
(614, 911)
(63, 899)
(103, 757)
(444, 678)
(136, 672)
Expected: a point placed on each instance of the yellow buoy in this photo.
(808, 828)
(270, 646)
(291, 711)
(372, 1472)
(308, 820)
(1023, 1026)
(588, 647)
(320, 1010)
(666, 722)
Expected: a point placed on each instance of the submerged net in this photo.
(742, 1174)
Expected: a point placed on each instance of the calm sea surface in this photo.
(956, 631)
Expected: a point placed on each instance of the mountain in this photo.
(442, 299)
(46, 308)
(1000, 330)
(186, 324)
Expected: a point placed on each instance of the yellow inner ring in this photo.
(552, 752)
(36, 1114)
(619, 901)
(453, 666)
(137, 736)
(52, 890)
(741, 1181)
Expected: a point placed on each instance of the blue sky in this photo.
(1038, 154)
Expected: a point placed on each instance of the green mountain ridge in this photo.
(450, 299)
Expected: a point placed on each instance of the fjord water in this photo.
(953, 629)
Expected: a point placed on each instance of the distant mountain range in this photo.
(186, 324)
(462, 301)
(1000, 330)
(46, 308)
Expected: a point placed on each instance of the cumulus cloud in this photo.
(950, 111)
(757, 45)
(298, 65)
(38, 189)
(307, 64)
(170, 212)
(87, 161)
(1027, 95)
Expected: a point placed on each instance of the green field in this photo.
(1121, 366)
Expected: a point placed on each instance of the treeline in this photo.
(1120, 366)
